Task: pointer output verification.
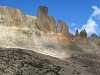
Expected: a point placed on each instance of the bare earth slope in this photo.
(32, 45)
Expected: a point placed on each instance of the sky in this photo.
(77, 14)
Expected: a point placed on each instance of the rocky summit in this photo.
(36, 45)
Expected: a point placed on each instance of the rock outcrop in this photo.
(47, 23)
(94, 35)
(11, 14)
(77, 33)
(83, 33)
(52, 24)
(42, 11)
(44, 22)
(38, 47)
(14, 17)
(62, 28)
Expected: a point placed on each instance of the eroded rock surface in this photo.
(42, 11)
(44, 22)
(24, 35)
(77, 33)
(15, 17)
(62, 28)
(83, 33)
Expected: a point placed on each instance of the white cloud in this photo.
(91, 26)
(96, 12)
(72, 24)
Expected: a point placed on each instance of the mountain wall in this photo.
(40, 34)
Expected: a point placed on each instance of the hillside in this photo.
(34, 45)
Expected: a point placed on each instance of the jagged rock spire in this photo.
(44, 22)
(77, 33)
(83, 33)
(47, 23)
(42, 11)
(52, 24)
(62, 27)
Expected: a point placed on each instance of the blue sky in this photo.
(81, 14)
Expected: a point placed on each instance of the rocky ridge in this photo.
(78, 55)
(14, 17)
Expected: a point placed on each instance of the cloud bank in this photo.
(90, 27)
(96, 12)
